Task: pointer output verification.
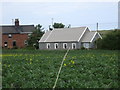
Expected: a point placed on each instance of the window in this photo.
(14, 43)
(86, 45)
(29, 34)
(5, 44)
(9, 36)
(73, 45)
(64, 45)
(56, 45)
(48, 45)
(25, 42)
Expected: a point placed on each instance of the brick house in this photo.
(15, 35)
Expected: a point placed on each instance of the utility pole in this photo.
(97, 32)
(52, 22)
(97, 27)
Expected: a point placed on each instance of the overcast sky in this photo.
(75, 13)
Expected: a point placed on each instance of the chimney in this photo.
(16, 22)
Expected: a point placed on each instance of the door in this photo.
(14, 43)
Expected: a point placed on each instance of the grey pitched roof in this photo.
(63, 35)
(88, 36)
(15, 29)
(44, 37)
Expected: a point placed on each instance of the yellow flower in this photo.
(64, 64)
(72, 62)
(30, 59)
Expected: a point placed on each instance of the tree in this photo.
(35, 36)
(58, 25)
(110, 41)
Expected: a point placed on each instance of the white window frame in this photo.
(5, 45)
(86, 45)
(47, 45)
(25, 42)
(55, 45)
(66, 46)
(73, 44)
(9, 35)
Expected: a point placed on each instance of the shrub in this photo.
(110, 41)
(83, 48)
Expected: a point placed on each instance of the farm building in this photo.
(75, 38)
(15, 35)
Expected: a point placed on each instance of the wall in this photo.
(60, 45)
(92, 44)
(19, 38)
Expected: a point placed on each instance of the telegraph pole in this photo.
(97, 32)
(97, 27)
(52, 22)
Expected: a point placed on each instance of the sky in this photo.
(75, 13)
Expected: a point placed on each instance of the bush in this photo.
(83, 48)
(110, 41)
(15, 47)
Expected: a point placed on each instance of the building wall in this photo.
(92, 44)
(19, 38)
(43, 45)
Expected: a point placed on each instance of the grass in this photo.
(81, 69)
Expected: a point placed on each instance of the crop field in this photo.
(38, 69)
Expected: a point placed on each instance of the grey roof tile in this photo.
(63, 35)
(88, 37)
(14, 29)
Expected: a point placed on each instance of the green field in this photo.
(81, 69)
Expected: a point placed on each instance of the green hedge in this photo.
(110, 41)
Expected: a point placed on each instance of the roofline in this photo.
(93, 37)
(60, 42)
(82, 34)
(99, 35)
(14, 25)
(43, 35)
(24, 32)
(48, 36)
(9, 33)
(68, 28)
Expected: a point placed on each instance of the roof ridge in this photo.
(13, 25)
(69, 28)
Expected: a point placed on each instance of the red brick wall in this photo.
(19, 38)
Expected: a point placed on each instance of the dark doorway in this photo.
(14, 43)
